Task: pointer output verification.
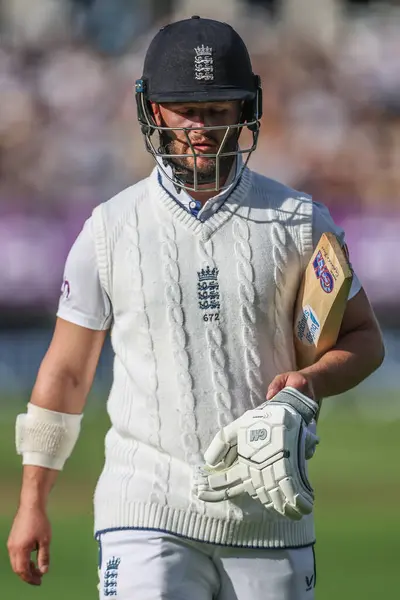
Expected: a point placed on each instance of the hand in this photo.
(30, 532)
(271, 444)
(294, 379)
(299, 381)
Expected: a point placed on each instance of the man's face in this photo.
(196, 116)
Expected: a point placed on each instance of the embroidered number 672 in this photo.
(211, 317)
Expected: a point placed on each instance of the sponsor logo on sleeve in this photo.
(65, 289)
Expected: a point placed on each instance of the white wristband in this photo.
(46, 438)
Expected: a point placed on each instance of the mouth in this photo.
(205, 147)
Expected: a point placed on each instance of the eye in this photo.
(218, 110)
(188, 112)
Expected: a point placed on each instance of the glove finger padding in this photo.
(273, 449)
(216, 486)
(264, 453)
(272, 446)
(222, 452)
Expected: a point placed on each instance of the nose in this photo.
(199, 120)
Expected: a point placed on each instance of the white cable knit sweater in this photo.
(202, 323)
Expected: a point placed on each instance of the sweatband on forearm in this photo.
(46, 438)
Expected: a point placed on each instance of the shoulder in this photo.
(278, 195)
(321, 213)
(110, 218)
(108, 221)
(323, 222)
(119, 206)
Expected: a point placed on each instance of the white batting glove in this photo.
(264, 453)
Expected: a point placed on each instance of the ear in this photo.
(156, 110)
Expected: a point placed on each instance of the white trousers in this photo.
(151, 565)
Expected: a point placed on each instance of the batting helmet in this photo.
(198, 60)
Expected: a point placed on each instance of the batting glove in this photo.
(264, 453)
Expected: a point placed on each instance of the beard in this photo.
(184, 167)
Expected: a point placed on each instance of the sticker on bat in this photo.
(308, 327)
(323, 274)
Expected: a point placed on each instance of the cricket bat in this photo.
(321, 301)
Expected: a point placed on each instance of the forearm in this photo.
(356, 355)
(61, 394)
(37, 483)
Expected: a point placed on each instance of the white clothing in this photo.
(87, 304)
(182, 197)
(147, 565)
(197, 308)
(83, 301)
(202, 322)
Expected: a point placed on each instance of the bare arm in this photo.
(64, 380)
(63, 383)
(68, 368)
(358, 353)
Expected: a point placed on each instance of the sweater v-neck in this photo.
(203, 229)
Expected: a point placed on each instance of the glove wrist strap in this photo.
(304, 405)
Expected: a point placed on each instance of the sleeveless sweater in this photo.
(202, 322)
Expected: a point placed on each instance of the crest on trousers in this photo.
(203, 63)
(111, 576)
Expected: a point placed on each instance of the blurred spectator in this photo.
(68, 128)
(24, 27)
(113, 26)
(270, 6)
(69, 137)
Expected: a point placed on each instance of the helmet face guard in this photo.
(190, 178)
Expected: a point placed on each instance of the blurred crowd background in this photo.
(69, 140)
(69, 137)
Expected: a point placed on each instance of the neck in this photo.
(204, 196)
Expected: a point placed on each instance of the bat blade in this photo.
(321, 301)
